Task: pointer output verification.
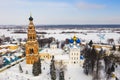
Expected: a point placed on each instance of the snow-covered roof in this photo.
(3, 46)
(23, 42)
(6, 45)
(103, 48)
(14, 41)
(13, 57)
(7, 57)
(52, 51)
(18, 54)
(74, 46)
(3, 50)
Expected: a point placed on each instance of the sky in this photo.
(50, 12)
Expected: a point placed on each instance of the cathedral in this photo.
(31, 46)
(74, 50)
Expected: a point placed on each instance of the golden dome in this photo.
(74, 38)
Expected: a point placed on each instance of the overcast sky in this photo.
(60, 11)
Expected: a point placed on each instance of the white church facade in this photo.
(74, 55)
(74, 50)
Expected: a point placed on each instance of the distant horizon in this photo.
(68, 26)
(51, 24)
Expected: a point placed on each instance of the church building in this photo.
(74, 50)
(32, 46)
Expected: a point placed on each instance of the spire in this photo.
(30, 18)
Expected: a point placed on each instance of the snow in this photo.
(90, 36)
(18, 54)
(73, 72)
(14, 74)
(62, 57)
(10, 34)
(117, 71)
(52, 51)
(74, 46)
(102, 70)
(13, 57)
(3, 50)
(7, 57)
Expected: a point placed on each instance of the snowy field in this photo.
(57, 34)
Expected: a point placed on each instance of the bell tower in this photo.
(31, 46)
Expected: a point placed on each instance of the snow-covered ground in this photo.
(117, 71)
(73, 72)
(57, 34)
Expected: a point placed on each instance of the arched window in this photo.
(31, 51)
(74, 62)
(30, 27)
(30, 37)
